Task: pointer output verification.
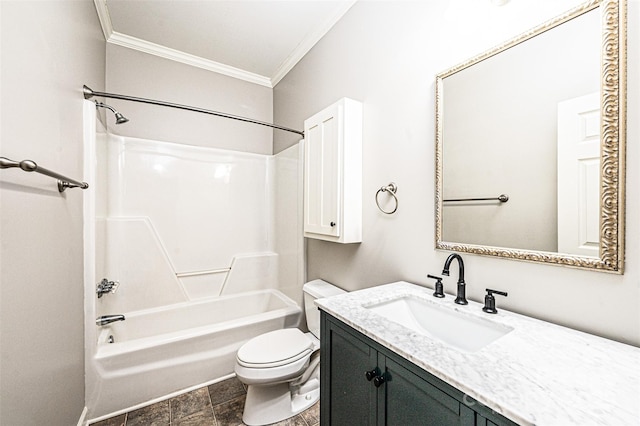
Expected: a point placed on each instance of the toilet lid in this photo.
(275, 348)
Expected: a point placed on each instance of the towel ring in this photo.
(391, 189)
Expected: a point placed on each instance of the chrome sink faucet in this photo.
(460, 297)
(108, 319)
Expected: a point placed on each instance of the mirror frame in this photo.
(612, 145)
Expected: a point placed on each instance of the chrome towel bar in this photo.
(31, 166)
(503, 198)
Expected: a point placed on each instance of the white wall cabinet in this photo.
(333, 173)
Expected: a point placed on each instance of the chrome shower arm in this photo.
(103, 105)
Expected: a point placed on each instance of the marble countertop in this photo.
(538, 374)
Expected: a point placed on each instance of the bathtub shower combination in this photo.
(201, 250)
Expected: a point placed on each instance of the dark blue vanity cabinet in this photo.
(364, 383)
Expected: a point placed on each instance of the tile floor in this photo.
(220, 404)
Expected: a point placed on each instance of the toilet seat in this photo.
(274, 349)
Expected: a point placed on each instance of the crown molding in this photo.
(140, 45)
(308, 42)
(148, 47)
(105, 19)
(186, 58)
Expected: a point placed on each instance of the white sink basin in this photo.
(465, 332)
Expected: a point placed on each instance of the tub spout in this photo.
(108, 319)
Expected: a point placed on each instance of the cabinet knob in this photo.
(378, 381)
(371, 374)
(332, 224)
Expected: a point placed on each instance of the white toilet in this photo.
(282, 367)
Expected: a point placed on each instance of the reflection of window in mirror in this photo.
(500, 127)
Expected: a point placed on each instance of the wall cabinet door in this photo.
(406, 394)
(333, 173)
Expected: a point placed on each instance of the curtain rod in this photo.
(88, 93)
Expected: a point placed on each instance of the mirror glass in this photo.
(526, 163)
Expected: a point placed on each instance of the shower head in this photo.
(119, 117)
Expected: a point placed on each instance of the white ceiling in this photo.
(254, 40)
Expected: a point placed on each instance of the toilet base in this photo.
(274, 403)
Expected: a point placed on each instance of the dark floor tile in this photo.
(292, 421)
(312, 414)
(201, 418)
(226, 390)
(189, 403)
(113, 421)
(196, 409)
(153, 415)
(230, 413)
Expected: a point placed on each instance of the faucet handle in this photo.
(439, 287)
(490, 301)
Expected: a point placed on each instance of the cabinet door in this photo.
(493, 419)
(347, 397)
(481, 421)
(323, 173)
(410, 400)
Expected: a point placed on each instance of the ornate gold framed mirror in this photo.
(530, 144)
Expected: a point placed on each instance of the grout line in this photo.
(211, 406)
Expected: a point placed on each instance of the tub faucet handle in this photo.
(106, 286)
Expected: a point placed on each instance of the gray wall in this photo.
(387, 54)
(134, 73)
(49, 49)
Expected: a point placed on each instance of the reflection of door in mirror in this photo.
(579, 175)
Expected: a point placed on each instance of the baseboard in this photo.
(82, 421)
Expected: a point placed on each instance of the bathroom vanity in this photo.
(369, 385)
(384, 362)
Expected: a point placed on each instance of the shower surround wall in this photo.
(175, 210)
(178, 224)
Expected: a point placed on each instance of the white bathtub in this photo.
(159, 351)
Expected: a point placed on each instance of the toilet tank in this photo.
(316, 289)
